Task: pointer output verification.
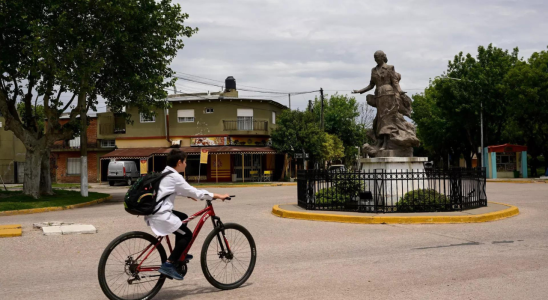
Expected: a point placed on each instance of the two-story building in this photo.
(235, 131)
(12, 156)
(65, 155)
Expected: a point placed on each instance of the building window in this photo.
(145, 119)
(209, 110)
(108, 143)
(245, 119)
(75, 143)
(273, 117)
(185, 116)
(73, 166)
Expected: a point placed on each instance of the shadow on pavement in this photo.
(176, 293)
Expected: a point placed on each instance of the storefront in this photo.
(224, 163)
(506, 161)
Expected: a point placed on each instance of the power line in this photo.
(223, 82)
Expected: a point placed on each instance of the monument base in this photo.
(392, 163)
(396, 176)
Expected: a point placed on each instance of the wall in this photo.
(212, 124)
(61, 171)
(11, 148)
(138, 129)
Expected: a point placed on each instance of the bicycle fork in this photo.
(227, 253)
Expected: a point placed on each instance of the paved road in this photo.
(506, 259)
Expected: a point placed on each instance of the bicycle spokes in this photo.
(229, 256)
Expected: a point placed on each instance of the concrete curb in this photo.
(12, 230)
(518, 181)
(246, 185)
(56, 208)
(488, 217)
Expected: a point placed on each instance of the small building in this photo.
(12, 156)
(505, 161)
(65, 155)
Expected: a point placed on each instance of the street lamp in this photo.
(481, 115)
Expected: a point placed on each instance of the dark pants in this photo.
(183, 236)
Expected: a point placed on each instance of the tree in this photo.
(454, 101)
(332, 148)
(527, 89)
(342, 118)
(119, 50)
(297, 131)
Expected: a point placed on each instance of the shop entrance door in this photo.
(251, 162)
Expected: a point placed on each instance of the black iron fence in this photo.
(392, 190)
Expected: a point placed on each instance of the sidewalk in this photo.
(519, 180)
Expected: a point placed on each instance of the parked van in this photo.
(122, 171)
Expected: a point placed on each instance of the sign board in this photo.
(300, 155)
(208, 141)
(203, 156)
(144, 166)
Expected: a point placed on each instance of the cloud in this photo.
(302, 45)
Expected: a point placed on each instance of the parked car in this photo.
(122, 171)
(334, 169)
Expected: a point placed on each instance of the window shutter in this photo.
(243, 112)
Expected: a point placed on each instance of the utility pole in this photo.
(481, 120)
(321, 98)
(289, 101)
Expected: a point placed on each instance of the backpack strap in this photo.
(155, 188)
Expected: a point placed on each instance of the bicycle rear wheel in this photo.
(128, 267)
(228, 267)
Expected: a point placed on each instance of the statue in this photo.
(393, 136)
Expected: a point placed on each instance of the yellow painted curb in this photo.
(518, 181)
(56, 208)
(488, 217)
(10, 230)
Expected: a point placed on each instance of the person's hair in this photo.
(175, 156)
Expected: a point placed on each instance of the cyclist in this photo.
(167, 220)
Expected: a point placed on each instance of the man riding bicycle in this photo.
(166, 220)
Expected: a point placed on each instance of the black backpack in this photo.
(141, 199)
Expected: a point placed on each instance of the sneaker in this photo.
(189, 257)
(169, 270)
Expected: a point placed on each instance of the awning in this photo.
(145, 153)
(230, 150)
(135, 153)
(507, 148)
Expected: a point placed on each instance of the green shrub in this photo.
(423, 200)
(346, 188)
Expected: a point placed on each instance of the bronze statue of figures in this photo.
(393, 135)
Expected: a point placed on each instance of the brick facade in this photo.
(61, 152)
(61, 159)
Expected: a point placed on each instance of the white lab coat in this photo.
(164, 221)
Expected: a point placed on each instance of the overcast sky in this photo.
(302, 45)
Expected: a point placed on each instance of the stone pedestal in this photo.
(393, 177)
(392, 163)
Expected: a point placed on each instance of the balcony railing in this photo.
(111, 129)
(247, 125)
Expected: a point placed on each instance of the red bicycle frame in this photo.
(206, 212)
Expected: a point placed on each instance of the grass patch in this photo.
(15, 200)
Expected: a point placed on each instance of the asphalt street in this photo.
(298, 259)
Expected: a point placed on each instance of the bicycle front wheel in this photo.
(128, 268)
(228, 256)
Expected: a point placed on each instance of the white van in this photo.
(122, 171)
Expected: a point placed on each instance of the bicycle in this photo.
(124, 258)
